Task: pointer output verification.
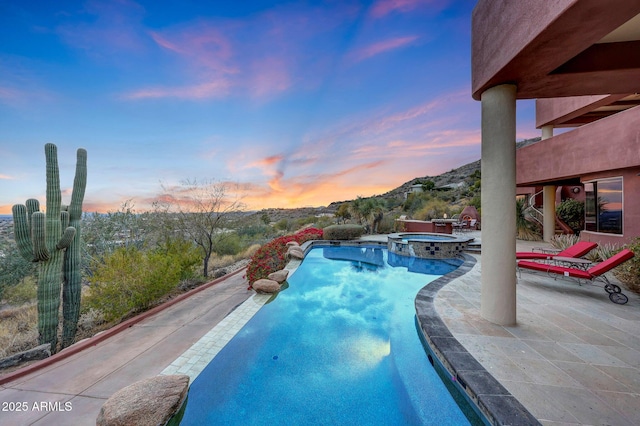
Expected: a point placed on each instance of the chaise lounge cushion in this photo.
(589, 274)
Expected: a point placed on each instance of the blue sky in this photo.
(299, 103)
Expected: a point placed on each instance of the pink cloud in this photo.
(7, 177)
(206, 47)
(270, 76)
(381, 47)
(260, 57)
(9, 94)
(385, 7)
(207, 90)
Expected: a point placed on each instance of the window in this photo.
(603, 206)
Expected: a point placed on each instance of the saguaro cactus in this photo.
(40, 238)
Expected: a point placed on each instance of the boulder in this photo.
(295, 253)
(293, 244)
(39, 352)
(266, 286)
(279, 276)
(150, 402)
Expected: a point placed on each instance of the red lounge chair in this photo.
(579, 249)
(592, 274)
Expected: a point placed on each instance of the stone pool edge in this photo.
(492, 399)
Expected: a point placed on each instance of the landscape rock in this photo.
(266, 286)
(149, 402)
(279, 276)
(39, 352)
(295, 253)
(293, 244)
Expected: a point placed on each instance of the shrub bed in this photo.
(343, 232)
(629, 271)
(271, 256)
(130, 280)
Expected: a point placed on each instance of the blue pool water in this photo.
(338, 346)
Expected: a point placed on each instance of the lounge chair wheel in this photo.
(612, 288)
(618, 298)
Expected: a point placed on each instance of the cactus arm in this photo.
(67, 238)
(21, 232)
(64, 219)
(33, 206)
(79, 185)
(71, 292)
(54, 195)
(38, 236)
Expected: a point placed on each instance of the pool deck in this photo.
(573, 357)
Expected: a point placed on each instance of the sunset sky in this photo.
(300, 103)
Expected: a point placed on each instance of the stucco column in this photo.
(498, 292)
(549, 212)
(547, 132)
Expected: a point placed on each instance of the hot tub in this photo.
(427, 245)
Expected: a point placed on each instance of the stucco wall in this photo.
(608, 144)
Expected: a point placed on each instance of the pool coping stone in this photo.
(491, 398)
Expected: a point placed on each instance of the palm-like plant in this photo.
(525, 229)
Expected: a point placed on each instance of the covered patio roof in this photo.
(556, 49)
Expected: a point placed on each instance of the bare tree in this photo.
(201, 211)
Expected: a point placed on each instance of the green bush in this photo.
(434, 208)
(629, 271)
(228, 243)
(571, 212)
(13, 267)
(283, 225)
(130, 280)
(343, 232)
(22, 293)
(387, 225)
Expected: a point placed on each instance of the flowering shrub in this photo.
(271, 256)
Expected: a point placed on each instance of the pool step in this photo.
(474, 247)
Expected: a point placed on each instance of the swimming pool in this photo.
(338, 346)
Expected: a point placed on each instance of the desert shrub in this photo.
(629, 271)
(18, 329)
(525, 229)
(571, 212)
(183, 253)
(228, 243)
(254, 230)
(415, 201)
(434, 208)
(563, 241)
(387, 225)
(283, 225)
(322, 222)
(476, 202)
(130, 280)
(602, 252)
(13, 267)
(343, 232)
(22, 293)
(300, 222)
(271, 256)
